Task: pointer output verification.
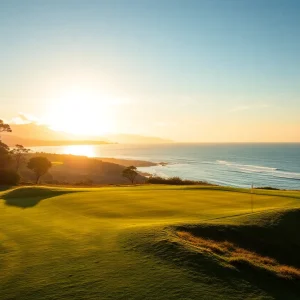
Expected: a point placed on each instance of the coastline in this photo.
(139, 164)
(128, 162)
(226, 165)
(113, 160)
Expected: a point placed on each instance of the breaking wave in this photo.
(274, 172)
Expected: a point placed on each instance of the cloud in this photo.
(23, 118)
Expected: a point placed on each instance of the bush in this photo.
(85, 182)
(173, 181)
(9, 177)
(267, 188)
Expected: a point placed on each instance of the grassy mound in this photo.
(233, 255)
(31, 196)
(259, 249)
(266, 233)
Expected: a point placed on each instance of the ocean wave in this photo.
(185, 160)
(249, 167)
(274, 172)
(287, 175)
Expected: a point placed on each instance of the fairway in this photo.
(123, 242)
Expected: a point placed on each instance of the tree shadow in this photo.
(31, 196)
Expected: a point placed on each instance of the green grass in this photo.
(121, 242)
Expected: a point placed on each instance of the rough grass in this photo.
(236, 256)
(115, 242)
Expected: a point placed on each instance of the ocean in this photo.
(239, 165)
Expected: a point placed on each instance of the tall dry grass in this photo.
(237, 256)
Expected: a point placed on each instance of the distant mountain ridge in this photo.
(136, 139)
(33, 134)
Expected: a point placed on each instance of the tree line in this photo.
(12, 159)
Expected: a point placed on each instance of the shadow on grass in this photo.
(205, 268)
(30, 197)
(202, 266)
(276, 238)
(5, 188)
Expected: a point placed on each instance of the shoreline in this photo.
(127, 162)
(227, 167)
(120, 185)
(119, 161)
(141, 164)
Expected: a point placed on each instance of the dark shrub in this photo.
(174, 181)
(85, 182)
(9, 177)
(267, 188)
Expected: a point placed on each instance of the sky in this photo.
(190, 71)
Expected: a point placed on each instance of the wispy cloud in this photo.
(23, 118)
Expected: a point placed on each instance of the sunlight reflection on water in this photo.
(84, 150)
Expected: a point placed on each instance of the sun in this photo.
(81, 112)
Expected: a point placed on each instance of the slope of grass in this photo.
(121, 243)
(233, 255)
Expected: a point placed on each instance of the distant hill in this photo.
(12, 140)
(136, 139)
(33, 134)
(37, 132)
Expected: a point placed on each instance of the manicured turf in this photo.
(121, 242)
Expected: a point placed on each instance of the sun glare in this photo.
(81, 112)
(84, 150)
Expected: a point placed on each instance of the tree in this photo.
(4, 149)
(4, 127)
(4, 155)
(40, 166)
(130, 173)
(9, 177)
(19, 155)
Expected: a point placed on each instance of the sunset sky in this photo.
(192, 71)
